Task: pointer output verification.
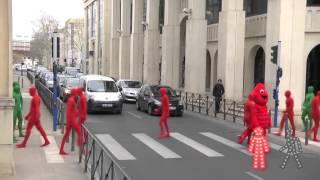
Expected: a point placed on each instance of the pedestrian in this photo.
(315, 113)
(306, 110)
(249, 118)
(82, 109)
(165, 113)
(33, 119)
(288, 113)
(17, 111)
(71, 113)
(218, 92)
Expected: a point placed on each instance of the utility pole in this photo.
(55, 56)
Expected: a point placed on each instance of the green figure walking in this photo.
(17, 112)
(306, 111)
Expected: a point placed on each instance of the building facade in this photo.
(21, 48)
(189, 44)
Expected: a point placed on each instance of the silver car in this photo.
(129, 89)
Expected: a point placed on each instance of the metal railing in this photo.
(97, 160)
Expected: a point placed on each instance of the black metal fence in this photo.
(97, 161)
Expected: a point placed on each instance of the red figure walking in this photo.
(82, 109)
(261, 99)
(165, 113)
(315, 113)
(259, 146)
(288, 113)
(250, 119)
(71, 112)
(33, 119)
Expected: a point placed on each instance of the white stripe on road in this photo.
(195, 145)
(135, 115)
(253, 175)
(156, 146)
(52, 151)
(114, 147)
(310, 141)
(226, 142)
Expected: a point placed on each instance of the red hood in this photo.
(32, 91)
(260, 94)
(163, 91)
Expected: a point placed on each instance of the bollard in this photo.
(199, 103)
(306, 132)
(207, 105)
(186, 101)
(93, 159)
(62, 118)
(224, 109)
(192, 106)
(73, 137)
(234, 111)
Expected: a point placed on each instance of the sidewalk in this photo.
(36, 163)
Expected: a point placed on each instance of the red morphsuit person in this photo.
(165, 113)
(250, 118)
(261, 99)
(259, 146)
(288, 113)
(33, 118)
(315, 114)
(82, 109)
(71, 113)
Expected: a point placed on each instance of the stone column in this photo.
(196, 45)
(114, 47)
(106, 37)
(86, 42)
(6, 101)
(171, 44)
(97, 38)
(124, 56)
(136, 49)
(286, 22)
(231, 48)
(151, 73)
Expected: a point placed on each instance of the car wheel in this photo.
(149, 109)
(137, 106)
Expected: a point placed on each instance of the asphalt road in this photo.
(188, 155)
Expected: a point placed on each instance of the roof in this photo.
(96, 77)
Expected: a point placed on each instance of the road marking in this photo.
(135, 115)
(310, 141)
(26, 95)
(226, 142)
(114, 147)
(195, 145)
(275, 146)
(52, 151)
(253, 175)
(156, 146)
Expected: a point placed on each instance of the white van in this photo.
(102, 93)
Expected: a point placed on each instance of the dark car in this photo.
(66, 86)
(149, 99)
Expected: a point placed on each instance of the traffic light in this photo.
(279, 72)
(274, 93)
(274, 54)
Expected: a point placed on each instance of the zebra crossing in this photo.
(122, 153)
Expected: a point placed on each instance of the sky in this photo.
(26, 12)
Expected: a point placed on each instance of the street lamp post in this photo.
(55, 56)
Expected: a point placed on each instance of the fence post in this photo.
(214, 100)
(192, 106)
(207, 105)
(199, 103)
(73, 139)
(93, 159)
(186, 100)
(224, 109)
(269, 130)
(234, 111)
(306, 131)
(101, 166)
(62, 118)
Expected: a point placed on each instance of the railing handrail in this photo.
(100, 144)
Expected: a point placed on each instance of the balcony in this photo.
(313, 19)
(212, 32)
(256, 26)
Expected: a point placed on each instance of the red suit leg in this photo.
(243, 135)
(78, 131)
(43, 133)
(27, 135)
(315, 130)
(161, 127)
(167, 127)
(281, 125)
(291, 119)
(65, 136)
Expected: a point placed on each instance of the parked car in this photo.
(66, 86)
(102, 94)
(72, 71)
(149, 99)
(43, 75)
(129, 88)
(48, 80)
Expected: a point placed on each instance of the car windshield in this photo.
(156, 91)
(131, 84)
(72, 82)
(102, 86)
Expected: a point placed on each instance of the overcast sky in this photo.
(25, 12)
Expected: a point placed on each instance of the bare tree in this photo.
(41, 43)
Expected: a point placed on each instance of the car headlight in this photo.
(67, 91)
(91, 97)
(156, 102)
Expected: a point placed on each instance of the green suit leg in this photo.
(19, 114)
(14, 124)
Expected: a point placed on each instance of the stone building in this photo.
(189, 44)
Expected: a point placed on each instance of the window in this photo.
(213, 8)
(161, 15)
(255, 7)
(102, 86)
(131, 84)
(313, 2)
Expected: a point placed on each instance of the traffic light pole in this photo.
(276, 104)
(55, 56)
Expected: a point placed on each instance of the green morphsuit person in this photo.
(17, 112)
(306, 110)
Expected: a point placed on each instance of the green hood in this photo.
(310, 89)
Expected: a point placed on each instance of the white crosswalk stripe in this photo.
(195, 145)
(115, 148)
(156, 146)
(226, 142)
(52, 151)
